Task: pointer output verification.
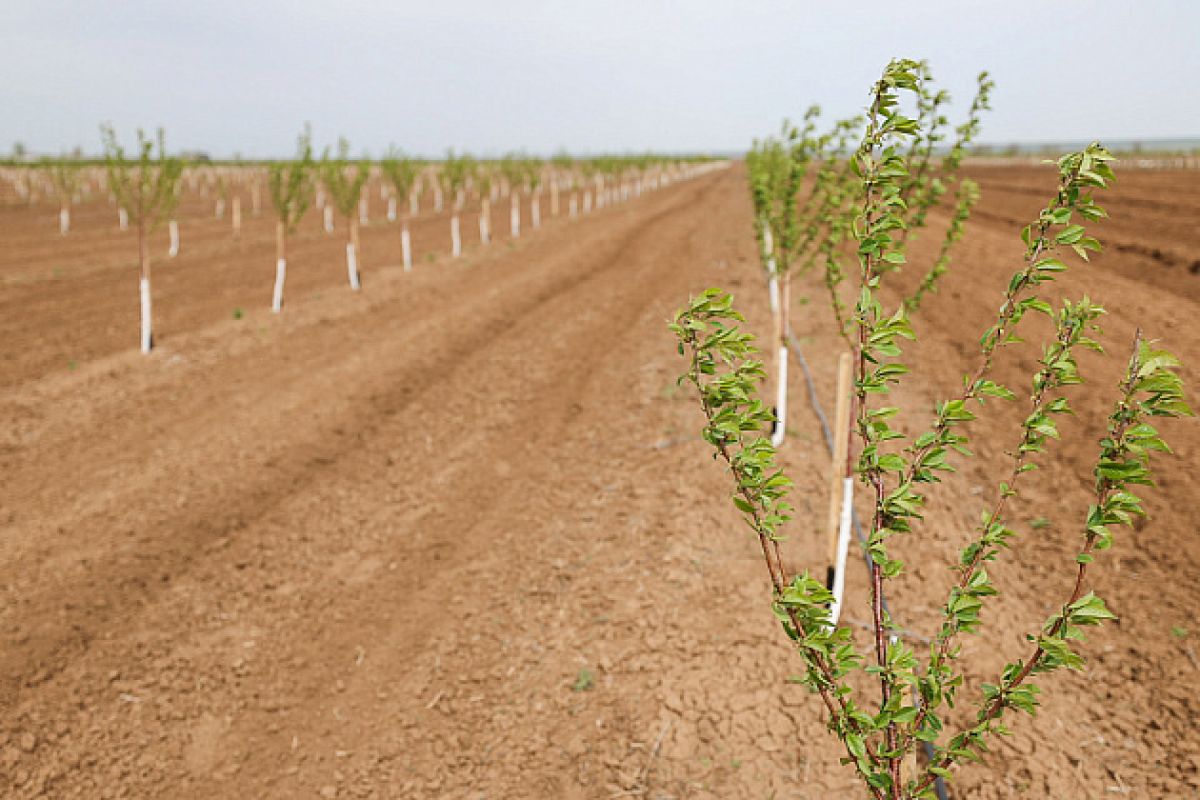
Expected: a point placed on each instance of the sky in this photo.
(243, 76)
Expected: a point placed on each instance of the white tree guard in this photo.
(781, 394)
(455, 237)
(535, 213)
(123, 219)
(352, 266)
(64, 221)
(843, 548)
(406, 248)
(280, 278)
(514, 216)
(173, 234)
(329, 219)
(144, 293)
(391, 212)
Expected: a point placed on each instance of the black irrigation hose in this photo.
(939, 785)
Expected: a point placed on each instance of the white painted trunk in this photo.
(280, 277)
(843, 549)
(329, 219)
(485, 233)
(220, 209)
(406, 248)
(414, 203)
(781, 394)
(123, 219)
(147, 335)
(173, 234)
(352, 266)
(64, 221)
(773, 288)
(364, 212)
(535, 212)
(391, 214)
(455, 237)
(587, 202)
(514, 216)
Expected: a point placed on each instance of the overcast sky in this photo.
(242, 76)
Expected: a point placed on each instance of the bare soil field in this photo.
(455, 536)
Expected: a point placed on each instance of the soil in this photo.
(455, 536)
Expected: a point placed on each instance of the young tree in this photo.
(455, 172)
(66, 176)
(483, 182)
(344, 182)
(561, 165)
(291, 187)
(900, 471)
(402, 172)
(533, 180)
(145, 188)
(515, 174)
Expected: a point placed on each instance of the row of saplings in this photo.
(825, 205)
(146, 191)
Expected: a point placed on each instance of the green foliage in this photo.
(456, 170)
(400, 170)
(344, 180)
(66, 175)
(146, 186)
(290, 183)
(871, 202)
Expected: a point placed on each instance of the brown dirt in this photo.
(454, 536)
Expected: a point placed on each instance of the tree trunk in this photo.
(485, 220)
(173, 236)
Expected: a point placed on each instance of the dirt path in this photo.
(454, 537)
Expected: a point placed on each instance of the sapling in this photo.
(344, 183)
(533, 180)
(145, 190)
(899, 472)
(401, 172)
(515, 175)
(483, 182)
(291, 187)
(561, 164)
(65, 175)
(776, 185)
(456, 170)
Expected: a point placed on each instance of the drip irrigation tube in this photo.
(939, 784)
